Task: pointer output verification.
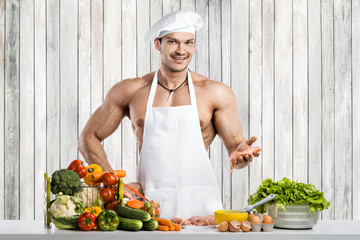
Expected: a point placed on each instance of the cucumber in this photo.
(130, 224)
(150, 225)
(128, 212)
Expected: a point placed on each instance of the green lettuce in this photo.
(289, 192)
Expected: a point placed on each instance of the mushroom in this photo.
(223, 226)
(234, 226)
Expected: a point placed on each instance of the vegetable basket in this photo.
(90, 195)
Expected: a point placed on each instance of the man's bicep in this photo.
(106, 119)
(227, 121)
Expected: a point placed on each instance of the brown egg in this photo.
(250, 216)
(267, 219)
(245, 226)
(255, 220)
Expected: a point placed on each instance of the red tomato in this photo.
(109, 179)
(112, 205)
(107, 194)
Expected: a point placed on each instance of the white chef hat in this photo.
(180, 21)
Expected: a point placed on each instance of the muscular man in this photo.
(176, 114)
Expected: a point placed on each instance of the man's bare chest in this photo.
(137, 108)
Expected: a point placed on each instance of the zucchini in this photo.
(150, 225)
(128, 212)
(130, 224)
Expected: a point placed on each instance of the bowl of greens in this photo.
(296, 206)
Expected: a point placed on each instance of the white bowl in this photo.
(295, 217)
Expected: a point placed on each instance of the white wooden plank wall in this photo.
(292, 64)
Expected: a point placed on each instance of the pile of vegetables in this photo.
(289, 192)
(97, 202)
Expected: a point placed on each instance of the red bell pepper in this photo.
(78, 167)
(87, 221)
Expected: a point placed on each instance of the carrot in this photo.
(162, 221)
(139, 194)
(177, 227)
(172, 228)
(163, 228)
(135, 203)
(96, 176)
(119, 173)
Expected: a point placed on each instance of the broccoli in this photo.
(65, 181)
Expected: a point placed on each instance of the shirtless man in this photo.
(152, 102)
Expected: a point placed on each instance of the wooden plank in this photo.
(268, 84)
(327, 112)
(53, 86)
(283, 89)
(255, 95)
(343, 105)
(40, 106)
(170, 6)
(12, 88)
(68, 81)
(226, 78)
(189, 5)
(216, 148)
(2, 107)
(27, 110)
(202, 39)
(300, 93)
(143, 48)
(356, 111)
(314, 88)
(112, 70)
(240, 86)
(129, 71)
(97, 44)
(84, 41)
(155, 14)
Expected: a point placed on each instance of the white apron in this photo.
(174, 167)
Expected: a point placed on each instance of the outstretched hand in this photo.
(243, 154)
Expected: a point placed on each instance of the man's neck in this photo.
(170, 78)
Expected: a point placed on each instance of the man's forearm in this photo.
(93, 152)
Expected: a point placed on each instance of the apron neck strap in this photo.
(154, 86)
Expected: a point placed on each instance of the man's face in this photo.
(176, 50)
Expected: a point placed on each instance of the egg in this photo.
(267, 219)
(255, 220)
(250, 216)
(245, 226)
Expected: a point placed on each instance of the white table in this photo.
(330, 229)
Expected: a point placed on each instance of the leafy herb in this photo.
(289, 192)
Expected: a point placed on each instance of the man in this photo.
(176, 114)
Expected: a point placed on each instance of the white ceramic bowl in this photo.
(295, 217)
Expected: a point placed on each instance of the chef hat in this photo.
(180, 21)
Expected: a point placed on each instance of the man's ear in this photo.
(157, 44)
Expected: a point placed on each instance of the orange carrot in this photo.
(139, 194)
(120, 173)
(96, 176)
(162, 221)
(177, 227)
(135, 203)
(163, 228)
(172, 228)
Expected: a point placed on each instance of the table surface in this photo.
(326, 229)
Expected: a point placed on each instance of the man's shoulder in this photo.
(208, 84)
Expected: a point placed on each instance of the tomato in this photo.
(112, 205)
(107, 194)
(109, 179)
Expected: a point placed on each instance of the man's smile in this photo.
(178, 59)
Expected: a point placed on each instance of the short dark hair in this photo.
(160, 39)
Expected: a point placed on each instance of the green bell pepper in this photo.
(108, 220)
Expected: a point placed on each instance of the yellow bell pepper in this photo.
(94, 210)
(91, 169)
